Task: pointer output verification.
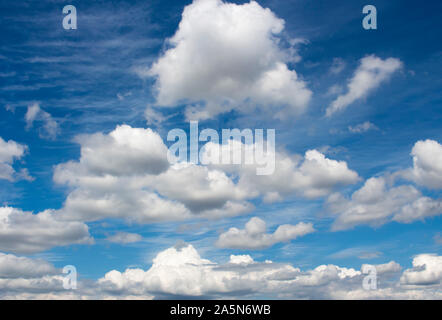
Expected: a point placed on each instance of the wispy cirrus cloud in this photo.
(371, 72)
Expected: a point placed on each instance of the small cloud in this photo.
(335, 90)
(124, 238)
(10, 151)
(49, 128)
(10, 108)
(369, 255)
(23, 174)
(371, 72)
(359, 252)
(122, 96)
(153, 117)
(329, 150)
(337, 66)
(362, 127)
(254, 235)
(142, 71)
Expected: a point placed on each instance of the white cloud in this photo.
(9, 152)
(25, 232)
(427, 164)
(182, 272)
(226, 56)
(338, 65)
(427, 270)
(13, 267)
(126, 174)
(377, 203)
(387, 268)
(254, 236)
(359, 252)
(153, 117)
(23, 278)
(419, 210)
(243, 259)
(49, 129)
(124, 238)
(310, 176)
(362, 127)
(371, 72)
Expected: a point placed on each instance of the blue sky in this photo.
(92, 79)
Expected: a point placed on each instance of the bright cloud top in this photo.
(225, 56)
(427, 164)
(427, 270)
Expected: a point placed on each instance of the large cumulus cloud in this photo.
(227, 56)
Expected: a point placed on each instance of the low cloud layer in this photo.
(181, 272)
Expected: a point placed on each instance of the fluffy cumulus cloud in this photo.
(377, 202)
(22, 277)
(126, 174)
(25, 232)
(380, 201)
(371, 72)
(49, 127)
(362, 127)
(310, 176)
(180, 271)
(426, 271)
(226, 56)
(12, 266)
(254, 235)
(427, 164)
(9, 152)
